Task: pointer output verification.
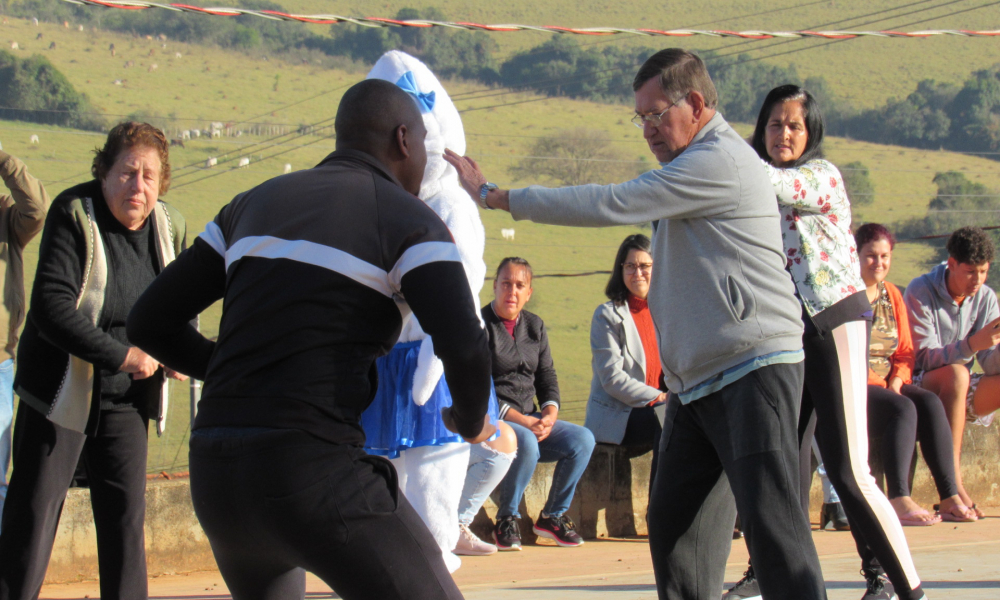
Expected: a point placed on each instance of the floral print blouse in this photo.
(816, 232)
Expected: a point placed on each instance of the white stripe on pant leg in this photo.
(851, 340)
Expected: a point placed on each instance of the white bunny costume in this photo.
(404, 420)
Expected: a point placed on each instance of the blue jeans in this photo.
(829, 494)
(487, 468)
(569, 446)
(6, 418)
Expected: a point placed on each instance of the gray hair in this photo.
(680, 72)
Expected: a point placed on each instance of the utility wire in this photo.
(505, 28)
(710, 60)
(555, 82)
(536, 51)
(216, 174)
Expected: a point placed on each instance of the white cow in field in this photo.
(14, 46)
(196, 133)
(186, 135)
(244, 163)
(508, 234)
(288, 167)
(177, 55)
(211, 162)
(33, 139)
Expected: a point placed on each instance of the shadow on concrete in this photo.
(625, 587)
(927, 585)
(309, 596)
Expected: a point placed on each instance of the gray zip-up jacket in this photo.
(719, 283)
(941, 328)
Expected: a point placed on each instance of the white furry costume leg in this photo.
(431, 478)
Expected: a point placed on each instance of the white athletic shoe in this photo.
(469, 544)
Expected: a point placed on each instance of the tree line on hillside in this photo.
(958, 203)
(32, 89)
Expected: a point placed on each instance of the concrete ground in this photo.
(956, 562)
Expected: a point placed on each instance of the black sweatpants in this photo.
(45, 458)
(739, 441)
(836, 387)
(899, 421)
(277, 503)
(643, 428)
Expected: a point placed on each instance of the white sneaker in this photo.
(469, 544)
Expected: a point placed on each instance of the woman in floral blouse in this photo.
(900, 412)
(823, 262)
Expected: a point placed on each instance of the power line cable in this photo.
(755, 59)
(554, 82)
(865, 16)
(507, 28)
(611, 39)
(828, 24)
(538, 50)
(216, 174)
(266, 143)
(814, 46)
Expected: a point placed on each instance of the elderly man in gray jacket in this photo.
(719, 286)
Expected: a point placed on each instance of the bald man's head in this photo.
(380, 119)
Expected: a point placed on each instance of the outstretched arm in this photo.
(472, 179)
(699, 183)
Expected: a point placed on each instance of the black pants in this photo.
(277, 503)
(739, 441)
(45, 459)
(899, 421)
(836, 388)
(643, 428)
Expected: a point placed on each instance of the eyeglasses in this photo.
(631, 268)
(655, 120)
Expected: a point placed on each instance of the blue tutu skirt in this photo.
(394, 422)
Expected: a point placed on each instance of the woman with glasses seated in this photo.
(626, 359)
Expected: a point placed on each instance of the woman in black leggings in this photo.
(822, 260)
(898, 412)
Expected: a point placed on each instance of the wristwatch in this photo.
(485, 189)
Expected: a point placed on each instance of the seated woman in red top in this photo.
(626, 359)
(899, 412)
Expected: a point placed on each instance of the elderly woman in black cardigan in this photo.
(85, 391)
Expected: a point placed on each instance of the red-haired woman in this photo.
(898, 412)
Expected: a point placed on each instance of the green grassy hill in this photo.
(206, 84)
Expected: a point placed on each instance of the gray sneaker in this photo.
(469, 544)
(879, 587)
(745, 589)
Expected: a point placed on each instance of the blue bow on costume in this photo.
(408, 85)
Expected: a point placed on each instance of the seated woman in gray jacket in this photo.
(627, 373)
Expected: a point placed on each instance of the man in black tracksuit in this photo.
(316, 269)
